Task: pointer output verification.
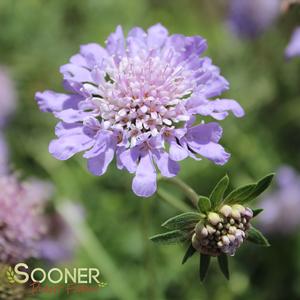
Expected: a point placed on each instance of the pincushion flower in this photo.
(250, 18)
(138, 99)
(293, 48)
(22, 223)
(281, 206)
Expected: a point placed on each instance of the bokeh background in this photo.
(37, 36)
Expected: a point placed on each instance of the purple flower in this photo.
(249, 18)
(137, 98)
(21, 218)
(7, 96)
(282, 213)
(60, 243)
(293, 48)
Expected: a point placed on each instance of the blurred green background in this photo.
(37, 36)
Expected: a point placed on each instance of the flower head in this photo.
(249, 18)
(138, 99)
(282, 214)
(220, 226)
(21, 218)
(293, 48)
(222, 232)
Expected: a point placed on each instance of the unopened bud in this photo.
(195, 242)
(231, 237)
(225, 240)
(220, 244)
(214, 218)
(210, 229)
(232, 230)
(248, 213)
(200, 230)
(236, 214)
(225, 210)
(239, 208)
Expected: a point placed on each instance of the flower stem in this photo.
(170, 199)
(188, 191)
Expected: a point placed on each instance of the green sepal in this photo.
(182, 221)
(170, 237)
(223, 265)
(216, 196)
(257, 211)
(204, 204)
(256, 237)
(189, 253)
(204, 265)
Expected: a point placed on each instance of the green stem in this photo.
(188, 191)
(99, 256)
(170, 199)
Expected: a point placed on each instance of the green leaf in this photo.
(249, 192)
(256, 237)
(216, 196)
(223, 264)
(171, 237)
(189, 253)
(204, 204)
(257, 211)
(238, 195)
(204, 264)
(182, 221)
(260, 187)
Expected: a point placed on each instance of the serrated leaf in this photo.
(189, 253)
(238, 195)
(204, 204)
(223, 264)
(216, 196)
(257, 211)
(171, 237)
(182, 221)
(204, 265)
(256, 237)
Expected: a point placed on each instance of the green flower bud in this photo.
(226, 210)
(214, 218)
(236, 214)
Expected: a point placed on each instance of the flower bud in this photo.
(214, 218)
(239, 208)
(210, 229)
(225, 240)
(232, 230)
(226, 210)
(248, 213)
(236, 214)
(195, 242)
(201, 230)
